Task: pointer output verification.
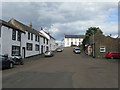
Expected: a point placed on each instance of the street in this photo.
(63, 70)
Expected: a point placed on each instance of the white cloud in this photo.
(65, 18)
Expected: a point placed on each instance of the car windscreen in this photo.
(77, 49)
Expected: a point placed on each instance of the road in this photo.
(64, 70)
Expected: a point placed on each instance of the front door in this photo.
(23, 52)
(42, 49)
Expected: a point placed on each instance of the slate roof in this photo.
(24, 27)
(74, 36)
(50, 35)
(2, 22)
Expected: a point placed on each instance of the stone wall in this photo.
(110, 44)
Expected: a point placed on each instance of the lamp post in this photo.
(93, 45)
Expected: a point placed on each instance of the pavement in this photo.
(63, 70)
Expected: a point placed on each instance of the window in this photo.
(14, 34)
(0, 31)
(47, 41)
(47, 48)
(36, 47)
(38, 39)
(29, 46)
(44, 40)
(15, 50)
(19, 36)
(102, 49)
(35, 37)
(31, 36)
(28, 36)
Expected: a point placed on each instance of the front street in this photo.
(63, 70)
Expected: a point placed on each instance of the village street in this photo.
(63, 70)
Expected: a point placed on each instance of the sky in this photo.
(59, 18)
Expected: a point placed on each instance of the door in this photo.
(23, 52)
(42, 49)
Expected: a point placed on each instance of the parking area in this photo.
(63, 70)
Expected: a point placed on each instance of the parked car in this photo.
(18, 60)
(59, 50)
(6, 62)
(48, 54)
(77, 50)
(113, 55)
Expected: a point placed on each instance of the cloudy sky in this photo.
(61, 18)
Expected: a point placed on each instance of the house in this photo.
(72, 40)
(52, 43)
(33, 42)
(101, 44)
(10, 39)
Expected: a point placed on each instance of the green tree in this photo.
(90, 31)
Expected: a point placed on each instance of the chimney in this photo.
(41, 28)
(30, 25)
(110, 35)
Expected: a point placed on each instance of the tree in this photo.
(89, 32)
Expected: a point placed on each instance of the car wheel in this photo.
(112, 57)
(21, 63)
(11, 65)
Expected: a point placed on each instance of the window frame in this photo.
(37, 48)
(29, 46)
(15, 50)
(19, 36)
(102, 49)
(13, 34)
(28, 35)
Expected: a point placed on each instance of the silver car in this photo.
(48, 54)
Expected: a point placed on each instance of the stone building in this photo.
(102, 44)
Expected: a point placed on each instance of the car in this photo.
(59, 50)
(113, 55)
(18, 60)
(62, 49)
(6, 62)
(48, 54)
(77, 50)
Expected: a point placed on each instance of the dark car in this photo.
(113, 55)
(48, 54)
(6, 62)
(18, 60)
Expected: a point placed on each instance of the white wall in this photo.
(7, 41)
(52, 44)
(25, 40)
(76, 41)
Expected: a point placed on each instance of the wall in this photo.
(111, 44)
(7, 41)
(25, 40)
(76, 41)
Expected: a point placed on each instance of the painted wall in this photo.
(75, 41)
(7, 42)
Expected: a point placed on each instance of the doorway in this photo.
(23, 52)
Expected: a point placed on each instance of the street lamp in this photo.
(93, 45)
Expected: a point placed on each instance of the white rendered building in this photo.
(10, 39)
(52, 44)
(72, 40)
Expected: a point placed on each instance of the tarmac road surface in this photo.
(64, 70)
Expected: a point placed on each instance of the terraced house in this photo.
(26, 41)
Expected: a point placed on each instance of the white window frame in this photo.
(102, 49)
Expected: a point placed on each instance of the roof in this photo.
(2, 22)
(74, 36)
(49, 35)
(24, 27)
